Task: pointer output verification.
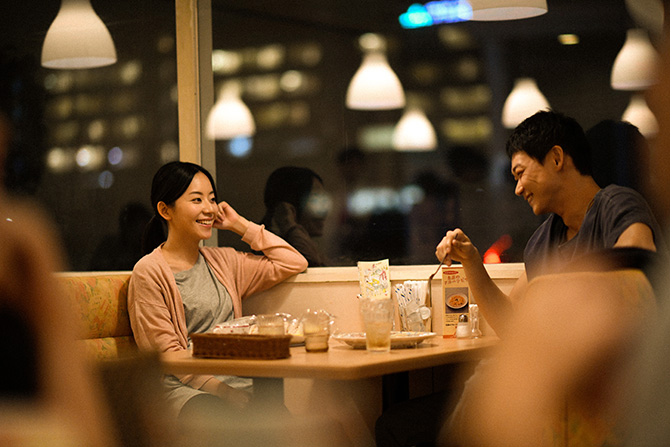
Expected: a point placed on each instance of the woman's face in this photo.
(316, 209)
(192, 215)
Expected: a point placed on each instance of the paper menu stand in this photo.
(374, 279)
(375, 283)
(456, 298)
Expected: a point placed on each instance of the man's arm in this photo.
(495, 305)
(637, 235)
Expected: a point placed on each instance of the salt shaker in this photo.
(463, 328)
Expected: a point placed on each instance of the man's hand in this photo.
(456, 246)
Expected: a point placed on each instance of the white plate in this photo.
(398, 339)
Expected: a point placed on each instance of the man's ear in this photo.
(557, 157)
(164, 210)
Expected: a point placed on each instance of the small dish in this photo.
(399, 339)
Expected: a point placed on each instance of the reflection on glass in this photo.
(169, 151)
(96, 130)
(90, 157)
(226, 62)
(60, 160)
(270, 57)
(473, 130)
(130, 72)
(105, 179)
(115, 155)
(262, 87)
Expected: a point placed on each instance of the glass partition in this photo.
(87, 141)
(293, 61)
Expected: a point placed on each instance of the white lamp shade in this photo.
(525, 100)
(230, 117)
(486, 10)
(77, 38)
(414, 132)
(638, 114)
(375, 86)
(635, 66)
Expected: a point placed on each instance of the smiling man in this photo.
(550, 161)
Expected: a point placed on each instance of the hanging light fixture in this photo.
(487, 10)
(374, 86)
(414, 132)
(77, 38)
(230, 117)
(524, 100)
(638, 114)
(635, 66)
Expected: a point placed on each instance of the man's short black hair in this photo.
(537, 134)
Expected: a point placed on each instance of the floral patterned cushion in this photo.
(99, 303)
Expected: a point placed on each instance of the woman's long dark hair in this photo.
(288, 184)
(169, 183)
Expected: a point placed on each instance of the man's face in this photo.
(534, 181)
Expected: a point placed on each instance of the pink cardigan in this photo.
(154, 302)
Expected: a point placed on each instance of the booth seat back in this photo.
(100, 305)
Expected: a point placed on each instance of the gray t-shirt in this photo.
(206, 304)
(614, 209)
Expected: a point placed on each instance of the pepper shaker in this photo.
(474, 314)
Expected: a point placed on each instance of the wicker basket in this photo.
(241, 346)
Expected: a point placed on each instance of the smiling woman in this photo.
(181, 288)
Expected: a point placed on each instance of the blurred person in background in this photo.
(296, 206)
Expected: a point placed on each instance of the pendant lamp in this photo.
(488, 10)
(230, 117)
(647, 14)
(525, 100)
(77, 38)
(414, 132)
(635, 66)
(374, 86)
(638, 114)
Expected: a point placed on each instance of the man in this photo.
(550, 162)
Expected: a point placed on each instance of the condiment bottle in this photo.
(463, 328)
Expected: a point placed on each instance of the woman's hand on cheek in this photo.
(225, 216)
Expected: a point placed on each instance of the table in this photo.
(343, 382)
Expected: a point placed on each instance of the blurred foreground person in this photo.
(47, 388)
(551, 163)
(649, 417)
(594, 343)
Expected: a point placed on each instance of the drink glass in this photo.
(316, 328)
(270, 324)
(377, 317)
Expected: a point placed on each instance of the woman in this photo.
(296, 208)
(181, 287)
